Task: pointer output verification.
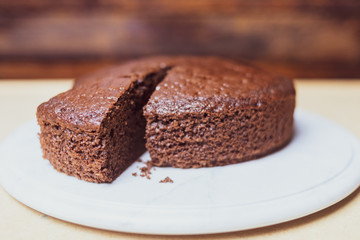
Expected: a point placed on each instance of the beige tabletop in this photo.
(338, 100)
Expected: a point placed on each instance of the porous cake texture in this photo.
(191, 112)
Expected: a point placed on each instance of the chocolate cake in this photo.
(197, 112)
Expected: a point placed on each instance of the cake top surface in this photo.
(199, 85)
(192, 85)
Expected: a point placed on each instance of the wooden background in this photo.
(67, 38)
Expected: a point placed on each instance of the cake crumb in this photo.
(166, 180)
(145, 171)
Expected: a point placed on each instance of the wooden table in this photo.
(338, 100)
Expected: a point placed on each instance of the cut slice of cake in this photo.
(96, 130)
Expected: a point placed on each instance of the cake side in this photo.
(217, 139)
(80, 154)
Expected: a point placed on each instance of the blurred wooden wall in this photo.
(66, 38)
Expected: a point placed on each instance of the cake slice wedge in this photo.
(96, 130)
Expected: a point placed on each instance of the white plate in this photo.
(318, 168)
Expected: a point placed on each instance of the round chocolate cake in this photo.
(189, 111)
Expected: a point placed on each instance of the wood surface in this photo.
(65, 38)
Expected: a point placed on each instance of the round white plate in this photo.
(318, 168)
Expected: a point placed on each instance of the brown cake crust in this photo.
(205, 112)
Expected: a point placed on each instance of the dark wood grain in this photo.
(66, 38)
